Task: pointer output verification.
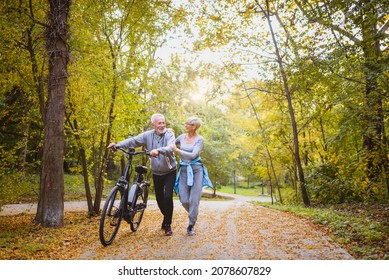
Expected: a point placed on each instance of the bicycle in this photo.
(125, 201)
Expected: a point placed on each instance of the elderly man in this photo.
(163, 164)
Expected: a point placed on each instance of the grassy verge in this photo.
(362, 229)
(253, 191)
(75, 190)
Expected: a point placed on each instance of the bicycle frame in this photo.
(132, 203)
(136, 185)
(130, 192)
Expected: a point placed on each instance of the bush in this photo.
(16, 188)
(326, 187)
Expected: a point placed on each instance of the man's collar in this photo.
(160, 135)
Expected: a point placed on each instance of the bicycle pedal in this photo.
(140, 206)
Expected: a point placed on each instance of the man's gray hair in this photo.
(155, 116)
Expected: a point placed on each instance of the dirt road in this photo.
(226, 230)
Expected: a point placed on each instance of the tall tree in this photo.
(50, 212)
(363, 24)
(269, 158)
(288, 94)
(22, 83)
(114, 59)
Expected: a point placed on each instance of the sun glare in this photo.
(204, 86)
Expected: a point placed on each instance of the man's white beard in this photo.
(161, 131)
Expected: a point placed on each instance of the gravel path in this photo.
(226, 230)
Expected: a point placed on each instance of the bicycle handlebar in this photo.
(131, 152)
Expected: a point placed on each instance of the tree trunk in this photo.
(50, 212)
(38, 79)
(270, 181)
(374, 119)
(386, 160)
(86, 180)
(99, 181)
(269, 156)
(24, 148)
(291, 110)
(84, 162)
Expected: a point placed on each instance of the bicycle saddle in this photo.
(141, 169)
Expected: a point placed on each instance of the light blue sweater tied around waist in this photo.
(197, 161)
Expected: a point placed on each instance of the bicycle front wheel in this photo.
(111, 216)
(140, 206)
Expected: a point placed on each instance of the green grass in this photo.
(26, 191)
(253, 191)
(75, 190)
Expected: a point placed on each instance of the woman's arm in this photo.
(197, 148)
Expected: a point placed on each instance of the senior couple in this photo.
(192, 174)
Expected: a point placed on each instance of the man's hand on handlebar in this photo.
(112, 146)
(154, 153)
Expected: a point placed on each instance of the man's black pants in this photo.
(163, 186)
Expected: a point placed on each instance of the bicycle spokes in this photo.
(139, 208)
(111, 216)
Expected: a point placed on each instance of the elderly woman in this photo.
(189, 183)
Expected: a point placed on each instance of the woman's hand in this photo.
(174, 147)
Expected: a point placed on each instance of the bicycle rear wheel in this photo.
(111, 216)
(140, 206)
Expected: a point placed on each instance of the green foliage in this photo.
(15, 188)
(238, 96)
(21, 71)
(325, 185)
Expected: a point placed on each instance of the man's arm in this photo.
(170, 139)
(131, 142)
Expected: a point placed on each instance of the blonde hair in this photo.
(195, 121)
